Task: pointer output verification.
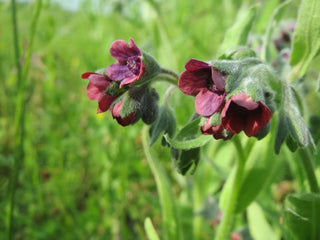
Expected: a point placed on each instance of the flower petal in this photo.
(116, 113)
(86, 75)
(121, 50)
(257, 120)
(93, 91)
(245, 101)
(242, 113)
(105, 102)
(207, 102)
(99, 80)
(192, 82)
(193, 65)
(129, 79)
(118, 72)
(232, 118)
(218, 79)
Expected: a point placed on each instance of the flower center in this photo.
(134, 64)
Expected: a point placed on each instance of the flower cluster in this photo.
(225, 105)
(123, 87)
(224, 114)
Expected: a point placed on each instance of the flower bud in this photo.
(149, 106)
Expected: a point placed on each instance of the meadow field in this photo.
(83, 176)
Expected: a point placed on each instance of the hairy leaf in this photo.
(306, 41)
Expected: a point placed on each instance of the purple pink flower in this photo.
(217, 131)
(130, 66)
(96, 90)
(239, 113)
(207, 83)
(242, 113)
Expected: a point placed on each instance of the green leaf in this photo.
(306, 41)
(259, 227)
(189, 130)
(264, 13)
(239, 32)
(259, 171)
(291, 122)
(302, 215)
(276, 17)
(165, 122)
(184, 161)
(281, 132)
(189, 144)
(150, 231)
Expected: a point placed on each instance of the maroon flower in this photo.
(207, 83)
(96, 90)
(130, 66)
(116, 113)
(217, 131)
(242, 113)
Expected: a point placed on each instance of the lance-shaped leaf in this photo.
(239, 32)
(150, 231)
(189, 144)
(302, 215)
(276, 17)
(306, 40)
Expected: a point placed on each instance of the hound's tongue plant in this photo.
(242, 90)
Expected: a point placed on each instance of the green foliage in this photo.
(259, 227)
(306, 41)
(239, 32)
(83, 176)
(302, 215)
(150, 231)
(165, 123)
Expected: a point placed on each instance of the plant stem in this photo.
(228, 216)
(168, 94)
(170, 215)
(170, 72)
(19, 123)
(18, 135)
(168, 76)
(309, 169)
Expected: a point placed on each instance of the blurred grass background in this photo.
(83, 175)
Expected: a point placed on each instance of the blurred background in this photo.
(83, 176)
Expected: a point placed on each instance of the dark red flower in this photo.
(217, 131)
(96, 90)
(116, 113)
(242, 113)
(130, 65)
(207, 83)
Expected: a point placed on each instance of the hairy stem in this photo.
(309, 169)
(228, 216)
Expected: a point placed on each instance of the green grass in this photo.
(84, 176)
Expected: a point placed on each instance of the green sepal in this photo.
(129, 104)
(114, 90)
(165, 122)
(263, 132)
